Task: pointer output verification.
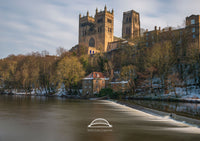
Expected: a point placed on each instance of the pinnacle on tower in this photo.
(105, 8)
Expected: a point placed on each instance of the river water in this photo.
(29, 118)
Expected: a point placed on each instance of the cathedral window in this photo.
(100, 20)
(109, 29)
(99, 29)
(92, 42)
(136, 20)
(109, 20)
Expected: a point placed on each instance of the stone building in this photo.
(190, 33)
(131, 25)
(119, 86)
(193, 28)
(93, 83)
(95, 32)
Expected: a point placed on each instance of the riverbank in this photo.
(172, 116)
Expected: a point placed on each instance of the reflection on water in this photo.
(186, 109)
(27, 118)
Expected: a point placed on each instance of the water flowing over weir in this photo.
(25, 118)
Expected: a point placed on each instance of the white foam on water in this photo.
(181, 126)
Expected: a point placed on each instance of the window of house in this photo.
(193, 21)
(127, 19)
(93, 52)
(193, 36)
(147, 44)
(128, 30)
(193, 30)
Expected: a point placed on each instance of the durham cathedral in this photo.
(96, 33)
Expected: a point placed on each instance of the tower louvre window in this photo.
(100, 20)
(109, 20)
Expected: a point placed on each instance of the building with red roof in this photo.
(93, 83)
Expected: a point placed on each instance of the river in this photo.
(32, 118)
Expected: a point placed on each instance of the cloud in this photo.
(36, 25)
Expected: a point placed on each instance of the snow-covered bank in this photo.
(187, 124)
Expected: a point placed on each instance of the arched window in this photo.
(92, 42)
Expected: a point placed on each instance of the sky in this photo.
(35, 25)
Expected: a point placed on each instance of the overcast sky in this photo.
(36, 25)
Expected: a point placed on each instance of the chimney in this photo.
(170, 28)
(159, 28)
(96, 10)
(87, 14)
(155, 28)
(146, 30)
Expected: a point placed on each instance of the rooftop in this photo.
(94, 75)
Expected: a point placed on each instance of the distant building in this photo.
(189, 33)
(120, 86)
(131, 25)
(95, 32)
(93, 83)
(193, 28)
